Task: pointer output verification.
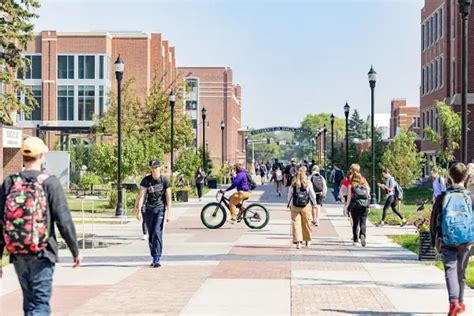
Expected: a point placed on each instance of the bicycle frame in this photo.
(226, 201)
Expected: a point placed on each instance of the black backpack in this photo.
(360, 197)
(300, 197)
(318, 184)
(291, 173)
(251, 182)
(338, 176)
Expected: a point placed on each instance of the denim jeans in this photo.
(154, 219)
(36, 280)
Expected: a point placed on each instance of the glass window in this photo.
(194, 124)
(432, 30)
(101, 100)
(441, 23)
(191, 105)
(101, 67)
(35, 114)
(435, 86)
(431, 76)
(423, 81)
(422, 37)
(441, 71)
(86, 67)
(435, 27)
(33, 70)
(66, 103)
(65, 67)
(86, 103)
(428, 36)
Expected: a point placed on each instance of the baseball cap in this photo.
(33, 146)
(154, 164)
(293, 160)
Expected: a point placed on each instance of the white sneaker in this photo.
(144, 237)
(308, 244)
(363, 241)
(298, 245)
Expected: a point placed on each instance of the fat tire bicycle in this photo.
(214, 214)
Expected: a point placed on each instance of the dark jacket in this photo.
(435, 221)
(58, 214)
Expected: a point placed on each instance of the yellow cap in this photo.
(33, 146)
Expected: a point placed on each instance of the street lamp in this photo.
(318, 151)
(119, 67)
(332, 141)
(172, 98)
(204, 114)
(312, 149)
(347, 109)
(372, 79)
(464, 10)
(222, 136)
(325, 147)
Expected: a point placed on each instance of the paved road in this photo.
(235, 270)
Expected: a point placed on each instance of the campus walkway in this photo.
(235, 270)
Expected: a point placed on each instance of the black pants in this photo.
(155, 219)
(391, 202)
(359, 222)
(144, 229)
(199, 189)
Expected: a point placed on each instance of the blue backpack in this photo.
(457, 220)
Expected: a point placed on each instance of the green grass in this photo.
(78, 221)
(411, 242)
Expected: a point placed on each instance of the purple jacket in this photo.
(240, 181)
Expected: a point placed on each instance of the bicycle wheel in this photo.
(213, 215)
(256, 216)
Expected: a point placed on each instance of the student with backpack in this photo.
(320, 189)
(263, 172)
(199, 177)
(277, 176)
(358, 202)
(394, 194)
(301, 198)
(439, 185)
(244, 184)
(31, 204)
(289, 173)
(337, 176)
(452, 231)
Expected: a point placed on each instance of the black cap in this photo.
(154, 164)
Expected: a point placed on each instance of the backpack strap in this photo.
(42, 178)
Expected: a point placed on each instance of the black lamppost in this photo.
(172, 103)
(325, 147)
(318, 149)
(312, 149)
(372, 79)
(204, 114)
(119, 66)
(332, 141)
(464, 10)
(347, 109)
(222, 136)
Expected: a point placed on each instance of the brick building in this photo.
(441, 67)
(213, 88)
(71, 73)
(403, 116)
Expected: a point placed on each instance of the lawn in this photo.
(408, 206)
(411, 242)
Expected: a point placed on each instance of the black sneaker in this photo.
(156, 265)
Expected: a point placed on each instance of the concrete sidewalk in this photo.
(238, 271)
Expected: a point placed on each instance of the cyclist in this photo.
(241, 183)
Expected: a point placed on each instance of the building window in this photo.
(431, 76)
(86, 103)
(191, 105)
(436, 120)
(423, 122)
(101, 67)
(65, 67)
(33, 70)
(435, 27)
(432, 125)
(423, 80)
(194, 122)
(35, 114)
(101, 101)
(432, 30)
(441, 23)
(441, 71)
(423, 37)
(436, 74)
(86, 67)
(66, 103)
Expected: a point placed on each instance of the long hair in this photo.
(301, 179)
(358, 179)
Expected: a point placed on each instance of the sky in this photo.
(291, 57)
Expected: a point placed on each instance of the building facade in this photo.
(71, 73)
(403, 116)
(441, 67)
(213, 88)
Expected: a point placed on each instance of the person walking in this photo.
(344, 192)
(301, 198)
(157, 208)
(199, 178)
(31, 204)
(320, 189)
(439, 185)
(450, 227)
(277, 176)
(357, 204)
(337, 175)
(263, 172)
(289, 173)
(240, 182)
(390, 188)
(470, 177)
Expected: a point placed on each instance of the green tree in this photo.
(449, 138)
(17, 32)
(266, 152)
(315, 122)
(80, 156)
(187, 163)
(209, 164)
(357, 126)
(365, 158)
(402, 159)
